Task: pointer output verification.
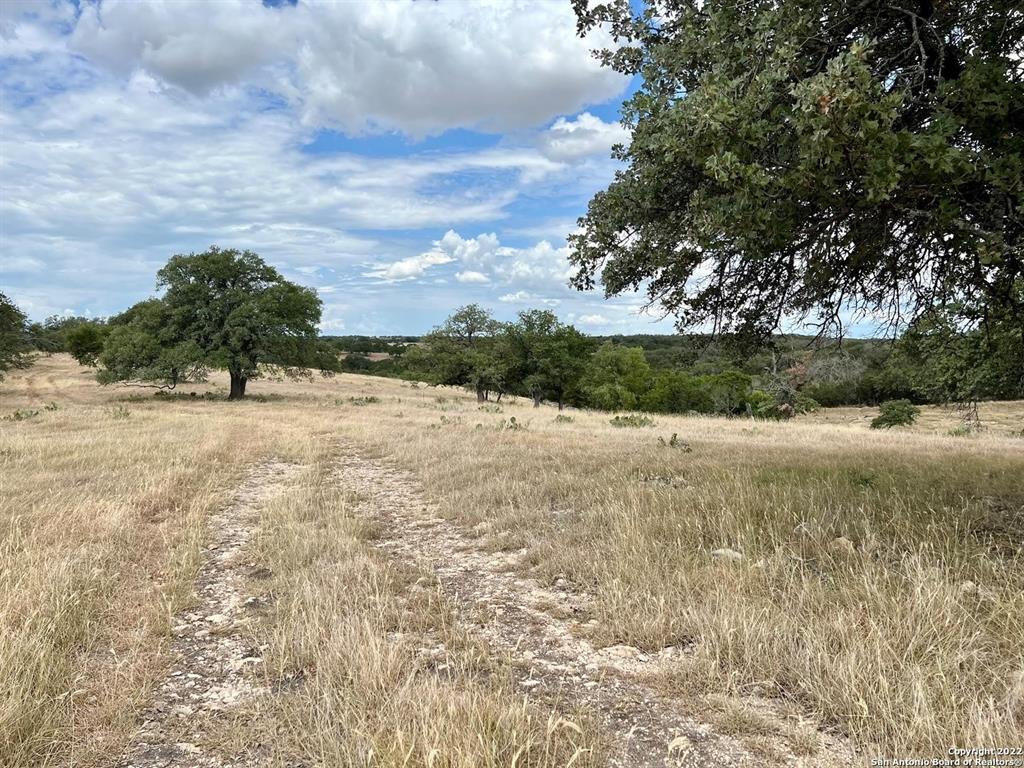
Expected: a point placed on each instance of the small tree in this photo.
(548, 357)
(84, 342)
(895, 413)
(463, 351)
(616, 377)
(222, 309)
(15, 346)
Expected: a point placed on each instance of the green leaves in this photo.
(805, 159)
(221, 309)
(15, 344)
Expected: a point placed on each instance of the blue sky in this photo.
(404, 158)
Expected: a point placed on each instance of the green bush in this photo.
(21, 415)
(895, 413)
(563, 419)
(632, 420)
(805, 403)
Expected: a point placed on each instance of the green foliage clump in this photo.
(895, 413)
(364, 400)
(564, 419)
(795, 158)
(15, 344)
(224, 309)
(21, 414)
(84, 342)
(511, 425)
(632, 420)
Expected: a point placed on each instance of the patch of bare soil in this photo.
(541, 630)
(213, 670)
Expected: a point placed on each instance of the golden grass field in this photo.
(880, 594)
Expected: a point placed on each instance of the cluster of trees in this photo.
(225, 309)
(539, 357)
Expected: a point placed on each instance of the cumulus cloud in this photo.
(586, 135)
(525, 297)
(415, 67)
(593, 319)
(411, 267)
(470, 276)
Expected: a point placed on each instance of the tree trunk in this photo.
(238, 382)
(481, 394)
(536, 401)
(561, 405)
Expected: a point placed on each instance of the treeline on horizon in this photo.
(540, 357)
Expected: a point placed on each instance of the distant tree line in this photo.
(262, 324)
(539, 357)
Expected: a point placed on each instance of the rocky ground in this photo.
(543, 629)
(212, 673)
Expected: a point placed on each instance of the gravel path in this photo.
(212, 671)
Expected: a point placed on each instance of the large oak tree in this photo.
(814, 158)
(225, 309)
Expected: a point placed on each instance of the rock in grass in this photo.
(726, 554)
(842, 546)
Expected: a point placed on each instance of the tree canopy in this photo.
(15, 344)
(222, 308)
(812, 158)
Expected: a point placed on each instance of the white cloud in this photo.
(573, 140)
(411, 267)
(594, 319)
(470, 276)
(415, 67)
(525, 297)
(519, 297)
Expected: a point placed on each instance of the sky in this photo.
(403, 158)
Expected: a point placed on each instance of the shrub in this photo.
(762, 405)
(120, 412)
(632, 420)
(21, 415)
(563, 419)
(805, 403)
(895, 413)
(511, 425)
(490, 408)
(966, 429)
(364, 400)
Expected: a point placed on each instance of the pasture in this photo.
(433, 581)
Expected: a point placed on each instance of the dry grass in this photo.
(908, 638)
